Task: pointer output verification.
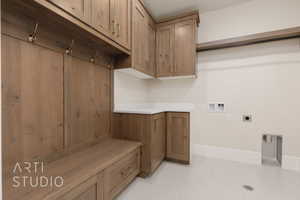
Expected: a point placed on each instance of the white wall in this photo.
(249, 18)
(128, 89)
(261, 80)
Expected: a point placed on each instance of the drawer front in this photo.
(92, 189)
(120, 174)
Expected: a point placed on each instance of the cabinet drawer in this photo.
(92, 189)
(120, 174)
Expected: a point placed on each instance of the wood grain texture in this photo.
(250, 39)
(91, 189)
(178, 136)
(122, 18)
(151, 55)
(120, 174)
(102, 16)
(147, 129)
(80, 9)
(184, 48)
(32, 102)
(87, 101)
(158, 140)
(75, 169)
(165, 50)
(47, 13)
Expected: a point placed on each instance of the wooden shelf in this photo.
(250, 39)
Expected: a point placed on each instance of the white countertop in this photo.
(153, 108)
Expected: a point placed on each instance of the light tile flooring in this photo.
(213, 179)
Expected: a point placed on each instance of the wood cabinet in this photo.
(120, 174)
(112, 18)
(122, 22)
(80, 9)
(184, 48)
(158, 140)
(102, 16)
(165, 50)
(91, 189)
(142, 57)
(139, 37)
(148, 129)
(178, 137)
(151, 48)
(176, 47)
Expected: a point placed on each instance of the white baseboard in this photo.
(243, 156)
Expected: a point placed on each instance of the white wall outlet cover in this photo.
(220, 107)
(212, 107)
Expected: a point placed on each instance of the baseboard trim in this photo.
(243, 156)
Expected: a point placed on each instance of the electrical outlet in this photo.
(247, 118)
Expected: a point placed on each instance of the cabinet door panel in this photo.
(178, 146)
(139, 34)
(92, 189)
(101, 15)
(150, 62)
(185, 48)
(122, 19)
(158, 140)
(165, 50)
(32, 81)
(78, 8)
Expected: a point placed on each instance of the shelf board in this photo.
(250, 39)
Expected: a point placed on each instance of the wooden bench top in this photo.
(74, 169)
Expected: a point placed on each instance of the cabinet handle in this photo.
(119, 29)
(113, 27)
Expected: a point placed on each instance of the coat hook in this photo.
(69, 50)
(32, 37)
(93, 58)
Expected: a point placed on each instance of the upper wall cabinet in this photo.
(78, 8)
(165, 53)
(176, 47)
(121, 22)
(142, 59)
(102, 16)
(111, 18)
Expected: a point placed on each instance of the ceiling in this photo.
(166, 8)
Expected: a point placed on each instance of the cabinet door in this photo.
(139, 50)
(150, 62)
(165, 50)
(122, 22)
(92, 189)
(178, 137)
(102, 16)
(78, 8)
(185, 48)
(158, 140)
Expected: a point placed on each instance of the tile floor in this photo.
(213, 179)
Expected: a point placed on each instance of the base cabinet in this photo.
(92, 189)
(147, 129)
(178, 137)
(118, 176)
